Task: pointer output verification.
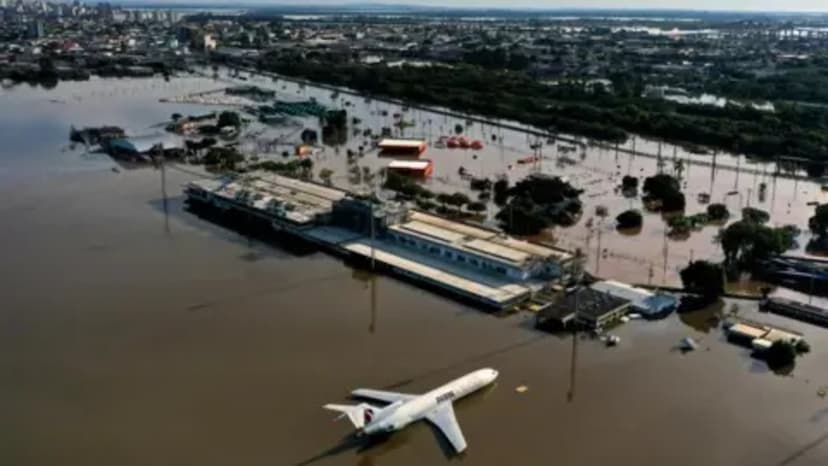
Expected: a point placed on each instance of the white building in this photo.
(643, 301)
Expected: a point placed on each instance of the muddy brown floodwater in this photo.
(134, 333)
(648, 256)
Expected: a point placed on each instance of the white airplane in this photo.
(434, 406)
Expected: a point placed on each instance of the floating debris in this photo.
(521, 388)
(688, 344)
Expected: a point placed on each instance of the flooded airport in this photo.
(133, 332)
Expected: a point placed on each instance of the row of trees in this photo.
(791, 130)
(535, 203)
(296, 168)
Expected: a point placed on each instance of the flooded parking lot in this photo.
(135, 334)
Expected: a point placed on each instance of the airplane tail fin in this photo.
(359, 415)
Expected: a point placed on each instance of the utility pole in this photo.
(164, 191)
(373, 326)
(598, 249)
(664, 253)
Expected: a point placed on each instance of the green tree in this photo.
(718, 212)
(780, 354)
(746, 243)
(458, 200)
(476, 206)
(703, 278)
(819, 222)
(444, 199)
(501, 191)
(629, 183)
(521, 217)
(630, 219)
(752, 214)
(223, 157)
(325, 175)
(665, 189)
(229, 118)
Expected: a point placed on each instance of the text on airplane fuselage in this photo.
(444, 396)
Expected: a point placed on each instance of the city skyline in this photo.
(713, 5)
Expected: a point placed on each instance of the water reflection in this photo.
(704, 320)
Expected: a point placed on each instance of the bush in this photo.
(426, 204)
(750, 214)
(229, 118)
(718, 212)
(672, 202)
(501, 191)
(680, 225)
(780, 354)
(481, 184)
(630, 219)
(629, 183)
(476, 207)
(666, 189)
(223, 157)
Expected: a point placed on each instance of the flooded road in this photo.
(129, 336)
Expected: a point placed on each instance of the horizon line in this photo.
(228, 4)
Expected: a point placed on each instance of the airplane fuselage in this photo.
(401, 413)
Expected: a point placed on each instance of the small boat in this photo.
(476, 145)
(463, 142)
(612, 340)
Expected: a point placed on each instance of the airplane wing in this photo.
(443, 418)
(381, 395)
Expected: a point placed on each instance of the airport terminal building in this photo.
(478, 264)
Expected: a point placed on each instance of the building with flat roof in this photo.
(143, 145)
(413, 147)
(476, 248)
(419, 168)
(758, 335)
(471, 262)
(796, 310)
(584, 307)
(287, 202)
(645, 302)
(596, 310)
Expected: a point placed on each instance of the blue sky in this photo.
(755, 5)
